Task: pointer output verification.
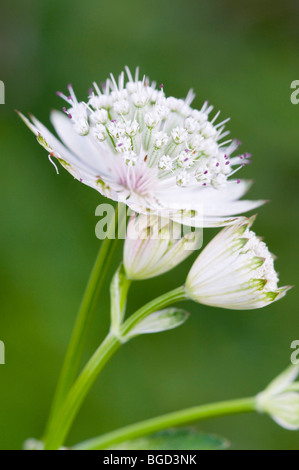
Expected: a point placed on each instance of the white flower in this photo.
(154, 246)
(179, 135)
(160, 139)
(235, 271)
(99, 131)
(99, 116)
(152, 119)
(165, 163)
(155, 126)
(281, 399)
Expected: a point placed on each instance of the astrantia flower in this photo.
(134, 145)
(235, 271)
(281, 399)
(154, 246)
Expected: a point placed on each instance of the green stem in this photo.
(66, 414)
(177, 418)
(164, 300)
(78, 392)
(84, 318)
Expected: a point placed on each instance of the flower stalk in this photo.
(61, 424)
(164, 300)
(84, 319)
(160, 423)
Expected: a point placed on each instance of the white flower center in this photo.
(135, 121)
(257, 248)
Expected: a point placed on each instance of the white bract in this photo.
(281, 399)
(134, 145)
(157, 322)
(154, 246)
(235, 271)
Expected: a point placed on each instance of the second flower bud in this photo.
(156, 245)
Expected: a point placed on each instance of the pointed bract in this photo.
(157, 322)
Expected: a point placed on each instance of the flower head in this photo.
(235, 271)
(133, 144)
(154, 246)
(281, 399)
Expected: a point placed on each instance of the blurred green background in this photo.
(242, 56)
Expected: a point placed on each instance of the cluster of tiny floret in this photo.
(137, 122)
(256, 248)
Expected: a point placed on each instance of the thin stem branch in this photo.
(177, 418)
(164, 300)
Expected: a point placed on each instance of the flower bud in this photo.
(235, 271)
(154, 246)
(281, 399)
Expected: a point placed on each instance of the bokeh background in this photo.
(242, 56)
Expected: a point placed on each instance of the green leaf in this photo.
(175, 439)
(161, 320)
(118, 293)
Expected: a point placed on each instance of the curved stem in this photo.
(177, 418)
(62, 422)
(84, 318)
(164, 300)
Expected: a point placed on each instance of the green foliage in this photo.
(175, 439)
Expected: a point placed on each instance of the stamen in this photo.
(73, 96)
(63, 96)
(215, 117)
(129, 74)
(97, 88)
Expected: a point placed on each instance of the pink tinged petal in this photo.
(81, 146)
(49, 142)
(64, 152)
(68, 160)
